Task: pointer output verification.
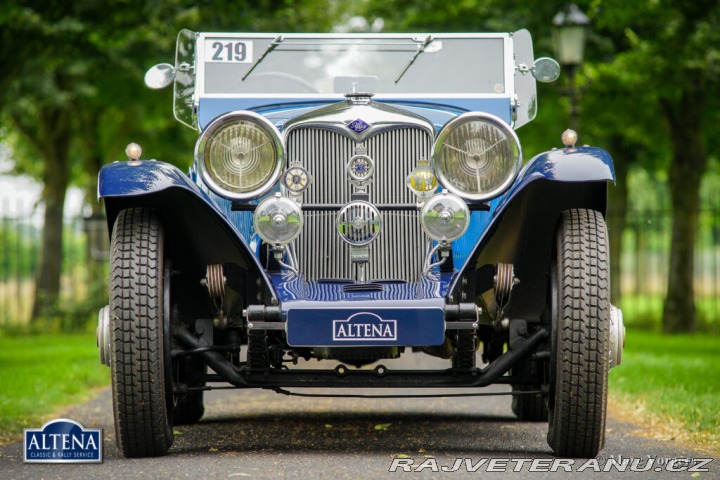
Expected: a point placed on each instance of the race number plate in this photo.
(228, 50)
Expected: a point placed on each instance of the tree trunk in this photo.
(52, 136)
(617, 212)
(689, 163)
(49, 270)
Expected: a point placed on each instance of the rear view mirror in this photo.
(160, 76)
(546, 70)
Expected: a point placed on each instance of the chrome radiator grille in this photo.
(397, 253)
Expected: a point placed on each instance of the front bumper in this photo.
(364, 323)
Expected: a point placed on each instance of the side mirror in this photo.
(160, 76)
(546, 70)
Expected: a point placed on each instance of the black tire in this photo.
(581, 308)
(531, 407)
(141, 402)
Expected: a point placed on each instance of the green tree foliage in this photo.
(673, 48)
(72, 96)
(38, 104)
(650, 96)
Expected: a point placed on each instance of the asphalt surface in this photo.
(261, 434)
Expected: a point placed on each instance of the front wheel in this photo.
(142, 399)
(580, 308)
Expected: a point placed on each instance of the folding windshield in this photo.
(394, 65)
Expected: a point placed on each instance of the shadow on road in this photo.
(366, 432)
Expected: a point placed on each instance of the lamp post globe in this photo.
(570, 34)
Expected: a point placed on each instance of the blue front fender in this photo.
(583, 164)
(196, 228)
(521, 228)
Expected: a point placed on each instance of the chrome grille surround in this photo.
(322, 143)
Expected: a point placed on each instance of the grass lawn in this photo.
(41, 374)
(671, 383)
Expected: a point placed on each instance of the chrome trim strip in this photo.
(380, 116)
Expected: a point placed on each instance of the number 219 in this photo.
(229, 52)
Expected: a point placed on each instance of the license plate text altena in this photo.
(365, 327)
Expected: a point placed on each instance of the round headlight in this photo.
(445, 217)
(278, 220)
(240, 155)
(477, 156)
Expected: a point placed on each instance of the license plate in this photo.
(313, 327)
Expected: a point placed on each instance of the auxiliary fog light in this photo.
(445, 217)
(278, 220)
(358, 223)
(422, 181)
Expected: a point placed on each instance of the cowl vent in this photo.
(363, 287)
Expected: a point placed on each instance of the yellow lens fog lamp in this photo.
(422, 181)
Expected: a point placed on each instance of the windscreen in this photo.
(234, 64)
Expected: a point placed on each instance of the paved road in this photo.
(260, 434)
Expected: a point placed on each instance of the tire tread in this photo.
(136, 303)
(577, 423)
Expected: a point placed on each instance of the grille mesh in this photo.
(397, 253)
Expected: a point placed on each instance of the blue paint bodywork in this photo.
(565, 166)
(291, 288)
(280, 110)
(137, 184)
(141, 182)
(126, 179)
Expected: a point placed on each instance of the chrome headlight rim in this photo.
(291, 208)
(462, 208)
(458, 121)
(367, 208)
(223, 120)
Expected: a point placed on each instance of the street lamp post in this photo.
(569, 35)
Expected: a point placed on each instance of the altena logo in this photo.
(364, 326)
(62, 441)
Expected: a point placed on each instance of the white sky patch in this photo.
(20, 198)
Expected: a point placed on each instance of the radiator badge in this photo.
(296, 179)
(364, 326)
(358, 126)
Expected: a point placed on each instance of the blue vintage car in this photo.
(356, 199)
